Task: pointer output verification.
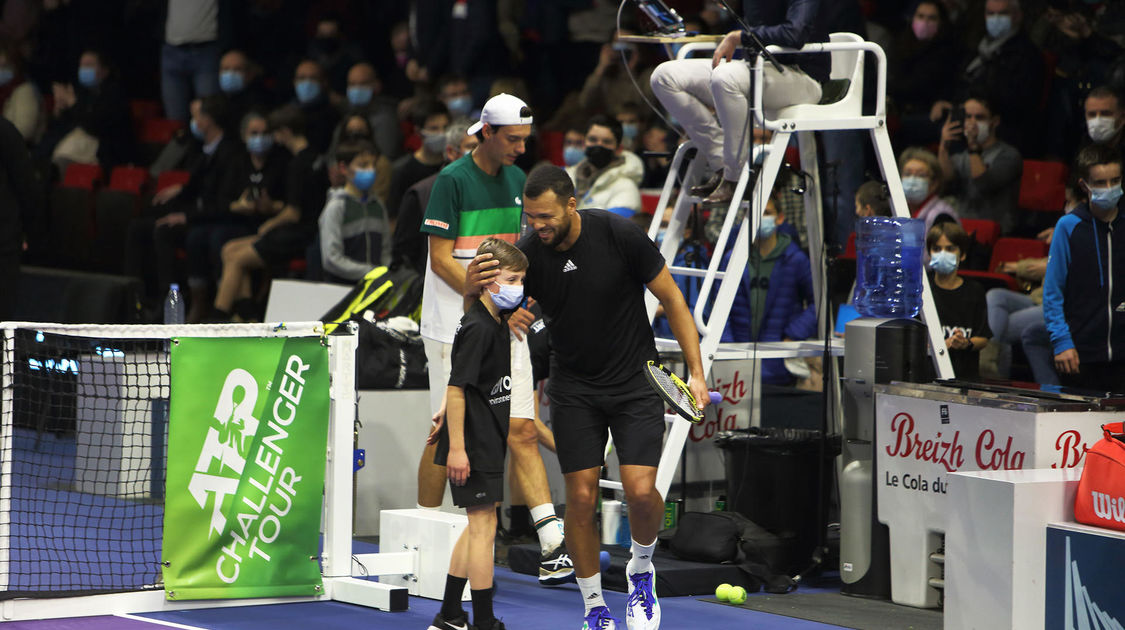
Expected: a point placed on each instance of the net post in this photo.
(338, 477)
(7, 418)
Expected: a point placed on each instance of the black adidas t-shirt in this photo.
(593, 298)
(481, 366)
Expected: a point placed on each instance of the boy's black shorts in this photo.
(581, 423)
(481, 488)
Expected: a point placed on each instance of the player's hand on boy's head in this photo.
(519, 322)
(457, 466)
(480, 273)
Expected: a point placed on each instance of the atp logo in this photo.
(225, 447)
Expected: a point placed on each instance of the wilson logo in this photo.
(1107, 507)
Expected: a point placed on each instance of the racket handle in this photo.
(716, 398)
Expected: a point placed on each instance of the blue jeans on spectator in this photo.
(1013, 317)
(187, 72)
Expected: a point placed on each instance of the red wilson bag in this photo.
(1101, 490)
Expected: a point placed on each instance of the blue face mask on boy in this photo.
(364, 178)
(768, 226)
(944, 263)
(1105, 198)
(509, 297)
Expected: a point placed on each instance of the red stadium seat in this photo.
(649, 201)
(130, 179)
(84, 176)
(985, 232)
(158, 130)
(1043, 186)
(989, 279)
(849, 249)
(1014, 249)
(551, 147)
(171, 178)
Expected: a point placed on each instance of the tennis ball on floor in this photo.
(603, 560)
(737, 595)
(722, 592)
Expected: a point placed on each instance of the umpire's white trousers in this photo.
(689, 89)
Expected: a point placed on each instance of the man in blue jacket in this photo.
(1084, 287)
(690, 89)
(775, 301)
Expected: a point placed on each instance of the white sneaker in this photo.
(643, 612)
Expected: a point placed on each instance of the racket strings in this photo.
(672, 390)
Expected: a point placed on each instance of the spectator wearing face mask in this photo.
(609, 176)
(430, 119)
(296, 197)
(961, 306)
(1105, 117)
(453, 90)
(311, 91)
(90, 123)
(982, 171)
(19, 99)
(922, 67)
(1083, 58)
(364, 98)
(1009, 66)
(775, 299)
(1083, 295)
(239, 81)
(355, 127)
(629, 115)
(921, 183)
(574, 146)
(255, 186)
(409, 242)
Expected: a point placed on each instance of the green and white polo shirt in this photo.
(466, 205)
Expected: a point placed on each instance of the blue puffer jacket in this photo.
(790, 311)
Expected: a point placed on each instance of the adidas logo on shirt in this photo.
(569, 266)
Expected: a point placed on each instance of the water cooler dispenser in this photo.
(875, 351)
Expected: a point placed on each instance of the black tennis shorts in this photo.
(581, 423)
(481, 488)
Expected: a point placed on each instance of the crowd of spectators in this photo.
(308, 126)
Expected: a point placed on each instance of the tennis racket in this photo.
(675, 392)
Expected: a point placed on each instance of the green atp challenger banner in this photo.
(248, 431)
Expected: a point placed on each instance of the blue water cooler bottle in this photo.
(889, 266)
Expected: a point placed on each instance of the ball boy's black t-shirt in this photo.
(592, 297)
(964, 309)
(481, 366)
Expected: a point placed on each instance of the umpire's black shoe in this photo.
(708, 186)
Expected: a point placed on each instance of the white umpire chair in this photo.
(844, 112)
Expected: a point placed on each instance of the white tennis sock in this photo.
(419, 506)
(642, 557)
(547, 526)
(591, 589)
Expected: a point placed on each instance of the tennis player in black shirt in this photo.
(471, 442)
(588, 271)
